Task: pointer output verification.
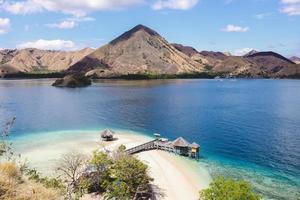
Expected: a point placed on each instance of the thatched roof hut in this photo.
(195, 145)
(107, 134)
(180, 142)
(181, 146)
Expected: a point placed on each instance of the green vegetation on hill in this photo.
(35, 75)
(149, 76)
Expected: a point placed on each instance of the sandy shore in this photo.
(175, 177)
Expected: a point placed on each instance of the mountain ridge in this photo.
(141, 50)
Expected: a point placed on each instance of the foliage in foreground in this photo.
(115, 176)
(47, 182)
(14, 186)
(229, 189)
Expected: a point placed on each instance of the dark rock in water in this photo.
(73, 81)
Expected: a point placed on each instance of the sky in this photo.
(235, 26)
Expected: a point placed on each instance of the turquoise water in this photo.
(247, 128)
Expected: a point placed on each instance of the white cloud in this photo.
(4, 25)
(233, 28)
(174, 4)
(49, 44)
(243, 51)
(81, 19)
(21, 7)
(63, 25)
(263, 15)
(70, 23)
(75, 7)
(290, 1)
(290, 7)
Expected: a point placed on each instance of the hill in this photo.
(140, 50)
(252, 65)
(38, 61)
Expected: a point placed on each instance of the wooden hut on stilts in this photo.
(195, 149)
(181, 146)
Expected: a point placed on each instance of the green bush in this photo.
(229, 189)
(132, 172)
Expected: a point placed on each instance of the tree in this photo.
(118, 190)
(71, 167)
(121, 149)
(119, 152)
(229, 189)
(131, 174)
(101, 163)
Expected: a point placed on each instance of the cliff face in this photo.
(139, 50)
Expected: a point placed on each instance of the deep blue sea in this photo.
(246, 128)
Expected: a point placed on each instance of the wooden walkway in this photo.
(152, 145)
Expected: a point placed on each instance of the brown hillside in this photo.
(139, 50)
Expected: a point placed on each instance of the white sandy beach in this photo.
(174, 176)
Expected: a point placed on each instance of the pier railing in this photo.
(154, 144)
(143, 147)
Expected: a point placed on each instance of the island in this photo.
(73, 81)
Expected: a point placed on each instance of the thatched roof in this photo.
(107, 133)
(195, 145)
(180, 142)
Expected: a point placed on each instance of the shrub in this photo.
(101, 178)
(54, 183)
(10, 170)
(132, 172)
(118, 190)
(229, 189)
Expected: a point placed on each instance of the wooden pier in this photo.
(179, 146)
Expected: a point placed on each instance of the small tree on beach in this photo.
(130, 174)
(229, 189)
(71, 167)
(102, 163)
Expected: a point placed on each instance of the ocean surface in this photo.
(247, 129)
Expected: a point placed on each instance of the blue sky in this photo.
(234, 26)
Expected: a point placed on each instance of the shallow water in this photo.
(247, 128)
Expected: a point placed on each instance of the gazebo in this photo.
(195, 150)
(181, 146)
(107, 135)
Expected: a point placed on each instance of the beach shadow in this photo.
(158, 192)
(112, 140)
